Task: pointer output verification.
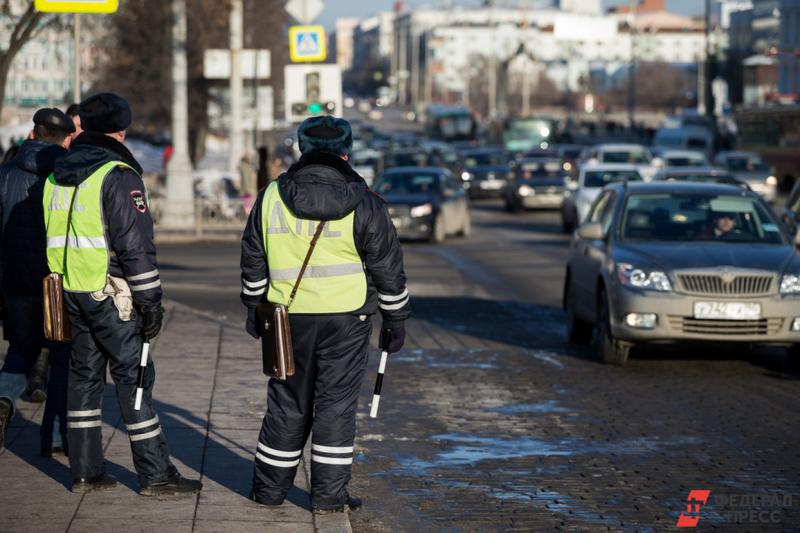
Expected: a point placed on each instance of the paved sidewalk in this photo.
(210, 397)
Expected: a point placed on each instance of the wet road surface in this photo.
(490, 421)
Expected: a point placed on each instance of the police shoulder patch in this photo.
(139, 203)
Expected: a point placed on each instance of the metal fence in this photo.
(212, 216)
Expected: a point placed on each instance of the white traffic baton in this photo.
(376, 397)
(137, 404)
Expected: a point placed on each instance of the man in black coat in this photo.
(108, 331)
(355, 270)
(24, 265)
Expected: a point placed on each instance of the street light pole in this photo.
(526, 73)
(632, 68)
(178, 212)
(76, 63)
(492, 65)
(236, 44)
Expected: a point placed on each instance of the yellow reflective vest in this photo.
(84, 241)
(334, 282)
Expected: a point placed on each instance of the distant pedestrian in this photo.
(247, 176)
(100, 238)
(24, 265)
(355, 269)
(73, 111)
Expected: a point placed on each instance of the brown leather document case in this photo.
(276, 336)
(57, 326)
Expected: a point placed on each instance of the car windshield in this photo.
(699, 217)
(741, 163)
(485, 159)
(685, 161)
(540, 168)
(364, 161)
(408, 184)
(601, 178)
(404, 160)
(626, 156)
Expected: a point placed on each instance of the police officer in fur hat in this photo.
(355, 270)
(100, 238)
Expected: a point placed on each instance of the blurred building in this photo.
(764, 45)
(343, 42)
(447, 50)
(41, 72)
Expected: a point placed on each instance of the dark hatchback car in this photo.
(407, 157)
(485, 172)
(425, 203)
(539, 184)
(670, 262)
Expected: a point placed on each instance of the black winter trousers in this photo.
(321, 398)
(100, 338)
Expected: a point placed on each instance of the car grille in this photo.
(740, 285)
(732, 328)
(399, 211)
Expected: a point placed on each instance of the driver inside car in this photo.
(724, 223)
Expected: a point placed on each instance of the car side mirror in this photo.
(591, 231)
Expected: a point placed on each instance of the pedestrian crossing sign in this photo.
(307, 44)
(77, 6)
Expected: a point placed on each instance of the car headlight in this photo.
(772, 181)
(654, 280)
(421, 210)
(526, 190)
(790, 284)
(466, 176)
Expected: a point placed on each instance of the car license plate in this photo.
(727, 311)
(492, 184)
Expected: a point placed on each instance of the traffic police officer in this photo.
(96, 213)
(356, 268)
(24, 265)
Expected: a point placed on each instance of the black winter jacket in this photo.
(129, 225)
(325, 187)
(24, 244)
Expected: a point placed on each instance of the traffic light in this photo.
(314, 108)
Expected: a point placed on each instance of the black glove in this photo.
(251, 326)
(152, 317)
(393, 336)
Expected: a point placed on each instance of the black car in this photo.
(425, 202)
(539, 183)
(408, 157)
(485, 172)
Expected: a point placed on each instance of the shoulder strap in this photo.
(69, 222)
(305, 263)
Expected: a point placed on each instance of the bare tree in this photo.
(21, 22)
(140, 67)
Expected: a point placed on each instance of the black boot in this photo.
(88, 484)
(174, 486)
(351, 504)
(5, 420)
(269, 503)
(37, 380)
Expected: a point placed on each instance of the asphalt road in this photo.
(490, 421)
